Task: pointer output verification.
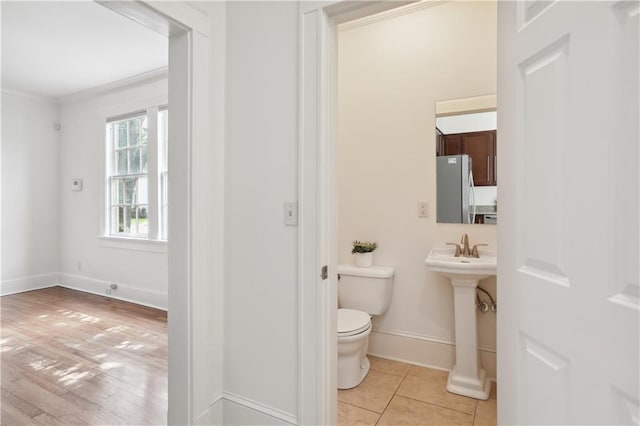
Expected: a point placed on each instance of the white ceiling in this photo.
(55, 48)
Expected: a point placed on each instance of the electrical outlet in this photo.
(79, 266)
(423, 209)
(108, 291)
(76, 184)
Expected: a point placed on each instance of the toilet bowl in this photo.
(354, 328)
(362, 292)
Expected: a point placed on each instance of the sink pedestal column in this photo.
(468, 378)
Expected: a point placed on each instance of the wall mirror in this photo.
(466, 160)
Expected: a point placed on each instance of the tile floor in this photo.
(395, 393)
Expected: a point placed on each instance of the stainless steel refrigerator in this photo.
(455, 192)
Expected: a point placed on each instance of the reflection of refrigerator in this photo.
(455, 195)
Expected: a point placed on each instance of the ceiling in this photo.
(56, 48)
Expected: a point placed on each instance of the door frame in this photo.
(196, 209)
(317, 198)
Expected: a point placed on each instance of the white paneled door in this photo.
(568, 326)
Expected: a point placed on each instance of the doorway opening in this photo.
(320, 105)
(188, 133)
(182, 63)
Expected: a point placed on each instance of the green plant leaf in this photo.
(363, 246)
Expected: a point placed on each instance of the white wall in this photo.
(87, 262)
(30, 204)
(260, 342)
(391, 73)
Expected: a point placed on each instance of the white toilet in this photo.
(362, 292)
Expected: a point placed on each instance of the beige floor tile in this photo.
(374, 393)
(349, 415)
(487, 411)
(425, 384)
(404, 411)
(388, 366)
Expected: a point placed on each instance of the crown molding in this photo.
(126, 83)
(390, 14)
(29, 95)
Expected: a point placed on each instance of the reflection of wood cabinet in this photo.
(480, 146)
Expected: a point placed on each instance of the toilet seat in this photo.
(352, 322)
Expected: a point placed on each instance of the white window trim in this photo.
(107, 240)
(131, 243)
(162, 171)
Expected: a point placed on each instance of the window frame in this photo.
(119, 178)
(153, 241)
(163, 174)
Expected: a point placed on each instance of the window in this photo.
(163, 170)
(137, 172)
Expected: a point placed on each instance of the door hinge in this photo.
(324, 272)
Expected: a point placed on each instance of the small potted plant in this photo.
(364, 253)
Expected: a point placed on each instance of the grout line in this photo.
(440, 406)
(395, 392)
(443, 406)
(404, 378)
(475, 411)
(431, 403)
(361, 408)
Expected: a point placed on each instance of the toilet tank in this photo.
(365, 289)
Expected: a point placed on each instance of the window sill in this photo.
(139, 244)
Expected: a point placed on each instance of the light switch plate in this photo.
(291, 214)
(423, 209)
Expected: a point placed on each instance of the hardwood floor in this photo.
(75, 358)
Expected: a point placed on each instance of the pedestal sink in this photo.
(467, 378)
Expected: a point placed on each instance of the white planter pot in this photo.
(364, 260)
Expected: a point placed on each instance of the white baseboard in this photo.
(136, 295)
(424, 351)
(213, 415)
(239, 410)
(33, 282)
(231, 409)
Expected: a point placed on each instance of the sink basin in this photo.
(442, 260)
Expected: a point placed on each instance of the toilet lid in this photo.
(352, 322)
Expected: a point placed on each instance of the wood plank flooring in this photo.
(73, 358)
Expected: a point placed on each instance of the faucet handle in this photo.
(458, 249)
(474, 250)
